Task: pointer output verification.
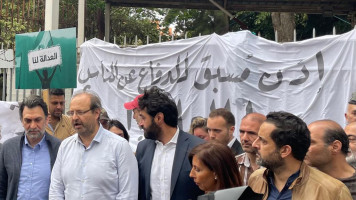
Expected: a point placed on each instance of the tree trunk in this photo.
(284, 24)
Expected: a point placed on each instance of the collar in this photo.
(98, 136)
(246, 161)
(289, 182)
(40, 144)
(172, 141)
(302, 177)
(232, 142)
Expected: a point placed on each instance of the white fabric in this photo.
(161, 170)
(10, 122)
(231, 142)
(313, 79)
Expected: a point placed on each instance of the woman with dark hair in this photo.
(118, 128)
(214, 167)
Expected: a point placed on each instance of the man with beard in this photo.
(221, 127)
(26, 161)
(328, 151)
(59, 125)
(163, 157)
(350, 131)
(282, 143)
(249, 127)
(94, 163)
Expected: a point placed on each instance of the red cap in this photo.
(132, 104)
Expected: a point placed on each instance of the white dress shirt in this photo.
(161, 171)
(231, 142)
(107, 169)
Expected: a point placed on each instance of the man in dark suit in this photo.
(221, 127)
(163, 157)
(26, 161)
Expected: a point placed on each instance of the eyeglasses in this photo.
(352, 138)
(78, 112)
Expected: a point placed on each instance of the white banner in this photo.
(239, 71)
(10, 123)
(6, 58)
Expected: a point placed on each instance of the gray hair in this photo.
(95, 101)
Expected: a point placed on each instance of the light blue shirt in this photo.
(107, 169)
(35, 171)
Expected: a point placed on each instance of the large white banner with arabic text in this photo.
(239, 71)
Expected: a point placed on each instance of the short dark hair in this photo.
(57, 92)
(290, 130)
(335, 132)
(156, 100)
(31, 102)
(224, 113)
(119, 125)
(219, 159)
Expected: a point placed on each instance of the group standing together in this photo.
(279, 157)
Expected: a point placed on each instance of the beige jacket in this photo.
(63, 128)
(311, 184)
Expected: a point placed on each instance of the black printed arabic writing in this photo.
(156, 76)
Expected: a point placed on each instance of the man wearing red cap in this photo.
(133, 105)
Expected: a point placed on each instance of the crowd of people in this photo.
(86, 155)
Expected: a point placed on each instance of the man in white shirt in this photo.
(221, 127)
(163, 156)
(94, 163)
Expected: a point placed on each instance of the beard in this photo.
(272, 162)
(152, 132)
(34, 133)
(351, 159)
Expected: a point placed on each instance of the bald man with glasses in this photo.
(94, 163)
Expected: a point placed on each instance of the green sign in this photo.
(46, 59)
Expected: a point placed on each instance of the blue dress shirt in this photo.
(286, 193)
(35, 171)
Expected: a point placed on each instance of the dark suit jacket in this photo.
(11, 161)
(182, 186)
(237, 148)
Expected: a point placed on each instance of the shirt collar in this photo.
(289, 181)
(173, 140)
(40, 144)
(246, 161)
(232, 142)
(98, 136)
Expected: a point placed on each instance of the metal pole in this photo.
(51, 15)
(10, 90)
(4, 78)
(107, 21)
(81, 21)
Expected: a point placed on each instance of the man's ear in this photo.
(231, 130)
(336, 146)
(285, 151)
(97, 112)
(159, 118)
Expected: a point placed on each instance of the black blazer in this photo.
(237, 148)
(182, 186)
